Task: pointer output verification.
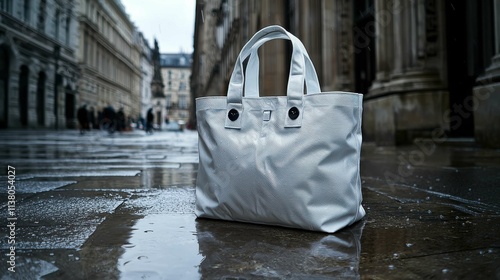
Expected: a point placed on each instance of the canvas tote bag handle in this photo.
(252, 70)
(295, 87)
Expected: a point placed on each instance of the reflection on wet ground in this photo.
(248, 251)
(161, 246)
(121, 207)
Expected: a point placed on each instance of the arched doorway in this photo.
(4, 85)
(23, 95)
(40, 99)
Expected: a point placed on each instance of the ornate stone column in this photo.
(486, 95)
(384, 17)
(328, 17)
(342, 46)
(409, 96)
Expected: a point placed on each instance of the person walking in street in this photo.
(92, 120)
(108, 122)
(149, 121)
(83, 118)
(120, 119)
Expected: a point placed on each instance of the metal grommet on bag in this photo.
(293, 113)
(233, 114)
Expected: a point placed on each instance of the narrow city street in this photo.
(121, 206)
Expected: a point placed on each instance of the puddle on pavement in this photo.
(176, 246)
(38, 187)
(149, 178)
(160, 177)
(161, 246)
(72, 174)
(234, 250)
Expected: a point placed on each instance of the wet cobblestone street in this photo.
(99, 206)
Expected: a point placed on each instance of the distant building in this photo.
(146, 78)
(110, 57)
(38, 67)
(176, 72)
(426, 68)
(56, 56)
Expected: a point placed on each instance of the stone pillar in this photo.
(377, 122)
(414, 50)
(274, 62)
(384, 48)
(486, 96)
(343, 49)
(328, 17)
(408, 97)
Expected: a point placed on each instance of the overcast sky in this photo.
(171, 22)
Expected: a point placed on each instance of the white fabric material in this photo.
(267, 168)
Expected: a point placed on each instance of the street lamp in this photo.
(57, 54)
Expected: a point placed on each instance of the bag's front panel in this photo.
(315, 166)
(226, 157)
(304, 177)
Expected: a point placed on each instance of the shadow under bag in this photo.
(289, 161)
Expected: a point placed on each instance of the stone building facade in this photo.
(146, 78)
(38, 65)
(176, 72)
(56, 56)
(206, 79)
(109, 55)
(427, 68)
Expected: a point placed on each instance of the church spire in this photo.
(157, 82)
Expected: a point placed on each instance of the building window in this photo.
(182, 86)
(68, 28)
(183, 102)
(91, 52)
(27, 10)
(56, 18)
(91, 15)
(98, 59)
(41, 14)
(6, 5)
(85, 48)
(168, 101)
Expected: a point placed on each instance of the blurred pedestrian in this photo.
(120, 120)
(149, 121)
(92, 120)
(100, 117)
(83, 118)
(108, 122)
(141, 122)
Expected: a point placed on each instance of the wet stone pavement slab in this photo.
(121, 206)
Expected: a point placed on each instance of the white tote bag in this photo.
(289, 161)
